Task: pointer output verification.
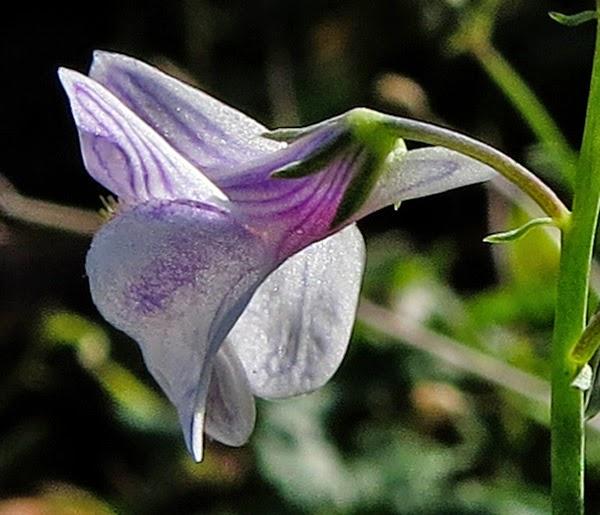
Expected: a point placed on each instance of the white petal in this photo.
(294, 333)
(206, 131)
(230, 410)
(423, 172)
(175, 276)
(197, 433)
(124, 154)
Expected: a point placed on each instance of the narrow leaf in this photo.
(586, 351)
(519, 232)
(588, 343)
(592, 396)
(572, 20)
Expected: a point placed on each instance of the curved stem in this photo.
(508, 167)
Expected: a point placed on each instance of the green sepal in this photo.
(519, 232)
(572, 20)
(290, 134)
(287, 135)
(316, 161)
(362, 132)
(368, 129)
(371, 129)
(358, 190)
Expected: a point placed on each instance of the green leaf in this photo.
(519, 232)
(588, 343)
(572, 20)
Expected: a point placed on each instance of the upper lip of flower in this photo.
(211, 224)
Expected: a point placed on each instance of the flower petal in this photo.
(124, 154)
(423, 172)
(292, 196)
(230, 409)
(293, 335)
(204, 130)
(175, 276)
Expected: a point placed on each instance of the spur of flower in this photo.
(233, 258)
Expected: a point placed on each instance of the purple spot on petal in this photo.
(158, 282)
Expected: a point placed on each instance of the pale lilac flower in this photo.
(233, 259)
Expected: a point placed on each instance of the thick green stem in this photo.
(528, 105)
(571, 307)
(567, 402)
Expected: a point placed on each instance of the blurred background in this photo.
(441, 405)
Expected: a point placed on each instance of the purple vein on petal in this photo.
(292, 212)
(164, 179)
(240, 183)
(273, 208)
(133, 139)
(316, 225)
(299, 205)
(315, 216)
(95, 141)
(298, 186)
(201, 124)
(199, 142)
(267, 200)
(129, 165)
(125, 154)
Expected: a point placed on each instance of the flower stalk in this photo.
(508, 167)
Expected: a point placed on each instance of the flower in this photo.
(233, 259)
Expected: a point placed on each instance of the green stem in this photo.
(528, 105)
(508, 167)
(571, 307)
(567, 402)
